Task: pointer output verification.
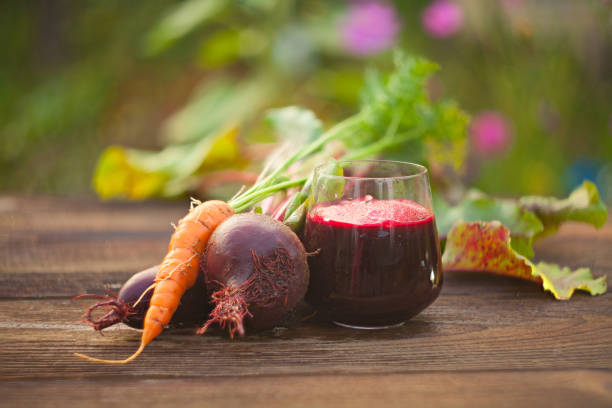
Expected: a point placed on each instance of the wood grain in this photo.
(489, 340)
(61, 248)
(456, 333)
(581, 388)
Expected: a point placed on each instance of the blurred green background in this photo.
(77, 77)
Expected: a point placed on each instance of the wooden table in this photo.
(487, 341)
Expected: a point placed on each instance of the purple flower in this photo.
(369, 27)
(442, 18)
(490, 133)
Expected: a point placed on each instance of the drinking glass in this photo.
(371, 227)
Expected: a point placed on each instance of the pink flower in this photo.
(490, 133)
(369, 28)
(442, 18)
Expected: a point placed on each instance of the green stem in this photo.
(265, 187)
(382, 144)
(314, 146)
(243, 203)
(369, 151)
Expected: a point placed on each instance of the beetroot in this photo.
(192, 310)
(256, 271)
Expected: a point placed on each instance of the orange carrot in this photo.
(179, 269)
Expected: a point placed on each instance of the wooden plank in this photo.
(515, 330)
(51, 247)
(474, 389)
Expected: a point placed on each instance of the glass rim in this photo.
(422, 170)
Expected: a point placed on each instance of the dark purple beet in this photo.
(255, 269)
(193, 308)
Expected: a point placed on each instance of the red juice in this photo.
(378, 263)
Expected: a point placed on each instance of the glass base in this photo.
(352, 326)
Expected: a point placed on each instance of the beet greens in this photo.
(396, 115)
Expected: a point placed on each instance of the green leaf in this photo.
(216, 104)
(401, 122)
(217, 150)
(295, 127)
(528, 218)
(340, 83)
(139, 174)
(582, 205)
(403, 95)
(562, 282)
(476, 206)
(180, 21)
(486, 247)
(295, 124)
(451, 149)
(220, 49)
(117, 176)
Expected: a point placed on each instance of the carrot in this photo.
(179, 269)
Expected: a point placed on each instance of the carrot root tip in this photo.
(99, 360)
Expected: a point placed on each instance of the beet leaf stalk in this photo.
(270, 185)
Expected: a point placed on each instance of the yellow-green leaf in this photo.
(582, 205)
(562, 282)
(139, 174)
(476, 206)
(485, 246)
(117, 176)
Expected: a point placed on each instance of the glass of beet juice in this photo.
(377, 261)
